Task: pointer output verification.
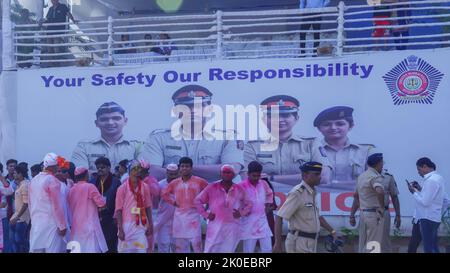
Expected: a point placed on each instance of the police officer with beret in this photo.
(370, 197)
(207, 153)
(111, 144)
(282, 163)
(345, 159)
(302, 213)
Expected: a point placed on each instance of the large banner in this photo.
(395, 103)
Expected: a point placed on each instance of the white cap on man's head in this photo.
(50, 159)
(227, 167)
(172, 167)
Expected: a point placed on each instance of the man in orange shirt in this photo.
(186, 221)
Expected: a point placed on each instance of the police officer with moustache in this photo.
(302, 214)
(111, 144)
(370, 196)
(207, 153)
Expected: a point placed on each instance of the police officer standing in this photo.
(111, 144)
(282, 164)
(206, 152)
(370, 197)
(302, 214)
(346, 160)
(390, 191)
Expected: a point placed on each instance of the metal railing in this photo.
(235, 35)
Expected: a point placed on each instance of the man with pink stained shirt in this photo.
(255, 226)
(164, 217)
(48, 225)
(155, 192)
(134, 212)
(186, 227)
(84, 201)
(227, 203)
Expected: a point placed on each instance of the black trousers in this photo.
(416, 238)
(315, 26)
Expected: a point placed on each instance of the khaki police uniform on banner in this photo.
(86, 152)
(390, 188)
(286, 159)
(161, 149)
(346, 164)
(302, 214)
(371, 224)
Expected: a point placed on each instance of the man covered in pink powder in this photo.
(164, 217)
(155, 192)
(186, 226)
(227, 203)
(134, 212)
(255, 226)
(84, 201)
(48, 225)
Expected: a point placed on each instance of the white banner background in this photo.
(56, 118)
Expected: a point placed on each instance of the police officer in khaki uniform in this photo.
(390, 191)
(301, 211)
(111, 144)
(370, 197)
(282, 164)
(207, 153)
(346, 160)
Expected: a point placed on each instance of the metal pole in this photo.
(39, 9)
(7, 37)
(110, 41)
(340, 29)
(219, 52)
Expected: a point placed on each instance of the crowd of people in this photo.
(64, 208)
(112, 212)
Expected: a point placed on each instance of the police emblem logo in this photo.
(413, 81)
(281, 103)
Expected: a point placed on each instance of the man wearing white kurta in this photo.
(48, 225)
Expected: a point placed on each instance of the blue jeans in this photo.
(18, 237)
(6, 242)
(429, 232)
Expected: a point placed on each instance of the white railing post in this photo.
(340, 29)
(219, 50)
(39, 10)
(110, 41)
(7, 37)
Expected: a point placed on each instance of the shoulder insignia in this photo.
(159, 131)
(255, 141)
(369, 146)
(301, 188)
(322, 151)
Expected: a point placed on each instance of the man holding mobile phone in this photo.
(429, 200)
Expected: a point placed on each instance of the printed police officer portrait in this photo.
(110, 120)
(165, 146)
(345, 159)
(282, 164)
